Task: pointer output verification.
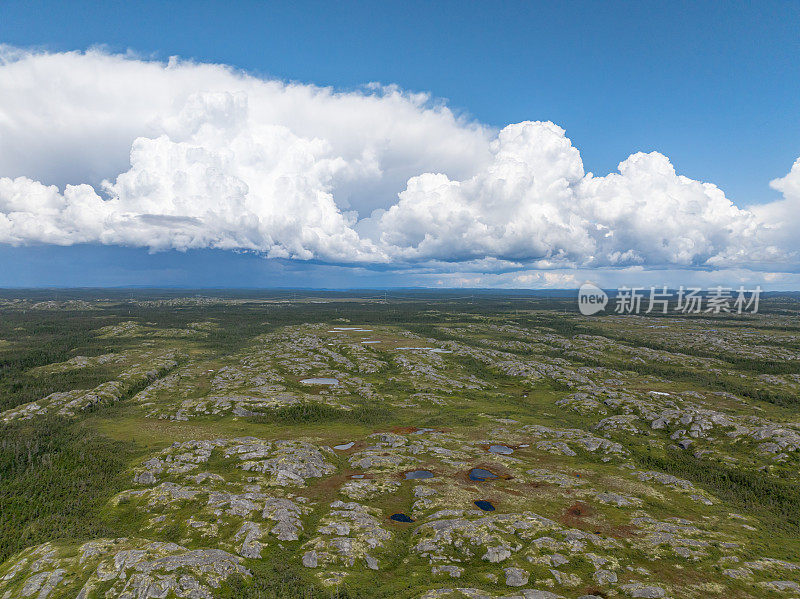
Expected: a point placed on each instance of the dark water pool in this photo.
(481, 475)
(401, 518)
(486, 506)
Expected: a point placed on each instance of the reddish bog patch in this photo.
(404, 430)
(575, 514)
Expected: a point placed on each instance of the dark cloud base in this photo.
(116, 266)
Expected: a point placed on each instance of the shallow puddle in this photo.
(320, 381)
(419, 474)
(344, 446)
(434, 350)
(501, 449)
(486, 506)
(481, 475)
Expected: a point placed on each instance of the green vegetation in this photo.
(55, 476)
(775, 501)
(276, 579)
(662, 450)
(312, 412)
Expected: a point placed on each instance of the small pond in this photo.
(486, 506)
(401, 518)
(344, 446)
(501, 449)
(481, 475)
(422, 431)
(418, 474)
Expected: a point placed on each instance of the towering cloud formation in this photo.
(98, 148)
(534, 202)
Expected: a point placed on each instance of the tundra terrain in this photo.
(418, 445)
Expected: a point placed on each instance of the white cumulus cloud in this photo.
(100, 148)
(533, 202)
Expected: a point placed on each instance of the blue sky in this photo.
(713, 86)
